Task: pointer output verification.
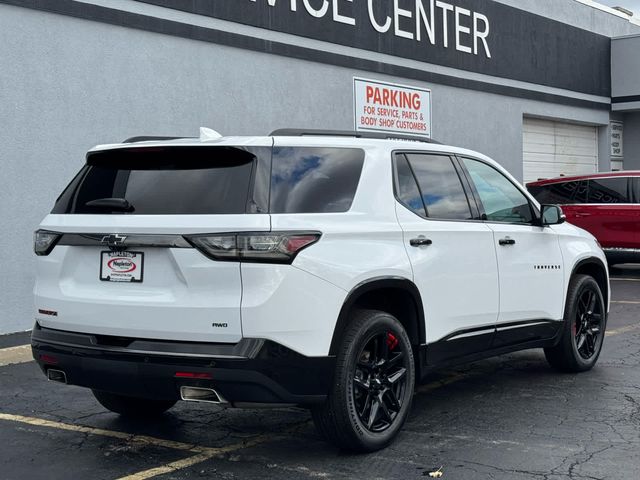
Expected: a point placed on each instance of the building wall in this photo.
(68, 84)
(626, 66)
(579, 14)
(632, 141)
(625, 72)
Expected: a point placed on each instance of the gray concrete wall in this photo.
(579, 15)
(625, 62)
(68, 84)
(632, 141)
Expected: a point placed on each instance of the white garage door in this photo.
(551, 149)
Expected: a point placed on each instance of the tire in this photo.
(585, 320)
(132, 406)
(374, 366)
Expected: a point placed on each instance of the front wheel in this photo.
(373, 385)
(132, 406)
(585, 320)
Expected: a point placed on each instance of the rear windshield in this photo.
(314, 180)
(162, 181)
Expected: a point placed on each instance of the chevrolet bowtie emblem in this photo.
(115, 241)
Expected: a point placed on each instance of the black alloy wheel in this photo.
(373, 385)
(588, 325)
(582, 334)
(379, 381)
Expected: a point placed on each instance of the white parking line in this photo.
(622, 279)
(207, 453)
(201, 453)
(39, 422)
(13, 355)
(626, 302)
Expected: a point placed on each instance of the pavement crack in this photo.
(507, 470)
(571, 470)
(635, 405)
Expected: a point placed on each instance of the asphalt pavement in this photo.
(510, 417)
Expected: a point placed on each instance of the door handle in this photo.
(420, 242)
(506, 241)
(582, 215)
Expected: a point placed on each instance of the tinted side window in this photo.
(609, 190)
(636, 189)
(441, 188)
(501, 199)
(314, 180)
(407, 189)
(559, 193)
(581, 192)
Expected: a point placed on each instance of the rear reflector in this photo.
(202, 376)
(48, 359)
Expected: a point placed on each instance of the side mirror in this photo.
(552, 215)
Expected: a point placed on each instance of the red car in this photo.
(605, 204)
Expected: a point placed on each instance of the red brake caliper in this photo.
(392, 341)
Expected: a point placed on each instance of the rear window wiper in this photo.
(118, 204)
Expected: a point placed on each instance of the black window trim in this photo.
(469, 189)
(454, 161)
(535, 212)
(396, 185)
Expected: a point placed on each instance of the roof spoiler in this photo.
(145, 138)
(205, 134)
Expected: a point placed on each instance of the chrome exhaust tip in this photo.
(199, 394)
(56, 375)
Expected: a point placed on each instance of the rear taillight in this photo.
(272, 247)
(44, 241)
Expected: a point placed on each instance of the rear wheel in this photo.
(584, 327)
(132, 406)
(373, 385)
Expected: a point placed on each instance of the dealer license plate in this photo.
(121, 266)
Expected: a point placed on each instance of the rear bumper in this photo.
(251, 371)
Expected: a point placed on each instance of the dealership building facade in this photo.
(546, 87)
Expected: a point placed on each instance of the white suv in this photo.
(332, 270)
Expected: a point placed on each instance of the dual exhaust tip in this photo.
(189, 394)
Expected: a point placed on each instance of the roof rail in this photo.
(295, 132)
(144, 138)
